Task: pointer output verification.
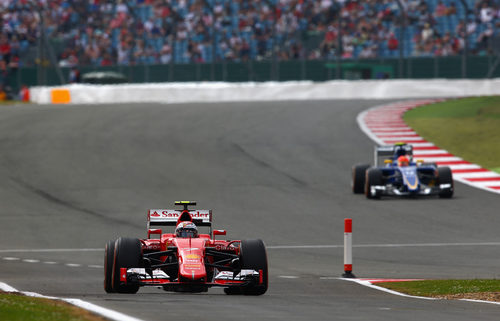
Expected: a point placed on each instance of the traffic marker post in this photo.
(348, 249)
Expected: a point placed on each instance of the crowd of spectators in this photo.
(125, 32)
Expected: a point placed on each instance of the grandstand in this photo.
(132, 32)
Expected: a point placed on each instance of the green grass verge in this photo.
(9, 102)
(468, 128)
(433, 288)
(16, 307)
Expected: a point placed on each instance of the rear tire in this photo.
(373, 178)
(128, 252)
(358, 178)
(445, 177)
(253, 257)
(109, 257)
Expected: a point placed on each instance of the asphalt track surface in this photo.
(74, 177)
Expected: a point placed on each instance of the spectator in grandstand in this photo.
(348, 51)
(244, 53)
(138, 52)
(441, 10)
(74, 75)
(460, 29)
(443, 45)
(328, 46)
(427, 33)
(392, 42)
(486, 13)
(166, 53)
(106, 59)
(5, 49)
(471, 27)
(124, 53)
(452, 9)
(144, 31)
(195, 52)
(482, 41)
(368, 51)
(425, 16)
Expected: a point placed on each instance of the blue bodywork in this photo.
(407, 180)
(417, 178)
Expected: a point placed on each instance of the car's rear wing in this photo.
(161, 217)
(391, 151)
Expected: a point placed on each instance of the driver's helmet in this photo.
(186, 229)
(403, 161)
(399, 151)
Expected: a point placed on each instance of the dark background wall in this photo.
(417, 68)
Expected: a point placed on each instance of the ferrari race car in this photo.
(185, 261)
(401, 175)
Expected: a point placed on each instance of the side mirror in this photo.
(387, 161)
(219, 232)
(155, 231)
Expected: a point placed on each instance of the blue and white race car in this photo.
(401, 175)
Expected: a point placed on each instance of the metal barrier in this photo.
(315, 70)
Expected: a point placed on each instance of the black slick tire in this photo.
(232, 291)
(127, 255)
(358, 178)
(445, 177)
(373, 178)
(253, 256)
(109, 257)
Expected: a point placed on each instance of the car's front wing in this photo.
(391, 190)
(157, 277)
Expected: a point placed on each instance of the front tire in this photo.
(358, 178)
(232, 291)
(253, 256)
(445, 177)
(109, 258)
(128, 252)
(373, 178)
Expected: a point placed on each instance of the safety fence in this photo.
(412, 68)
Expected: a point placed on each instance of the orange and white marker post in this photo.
(348, 249)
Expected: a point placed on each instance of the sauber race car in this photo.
(186, 260)
(401, 175)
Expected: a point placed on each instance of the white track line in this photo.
(370, 285)
(49, 250)
(94, 266)
(73, 264)
(107, 313)
(277, 247)
(311, 246)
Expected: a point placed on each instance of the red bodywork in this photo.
(188, 264)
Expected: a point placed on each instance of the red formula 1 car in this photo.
(185, 261)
